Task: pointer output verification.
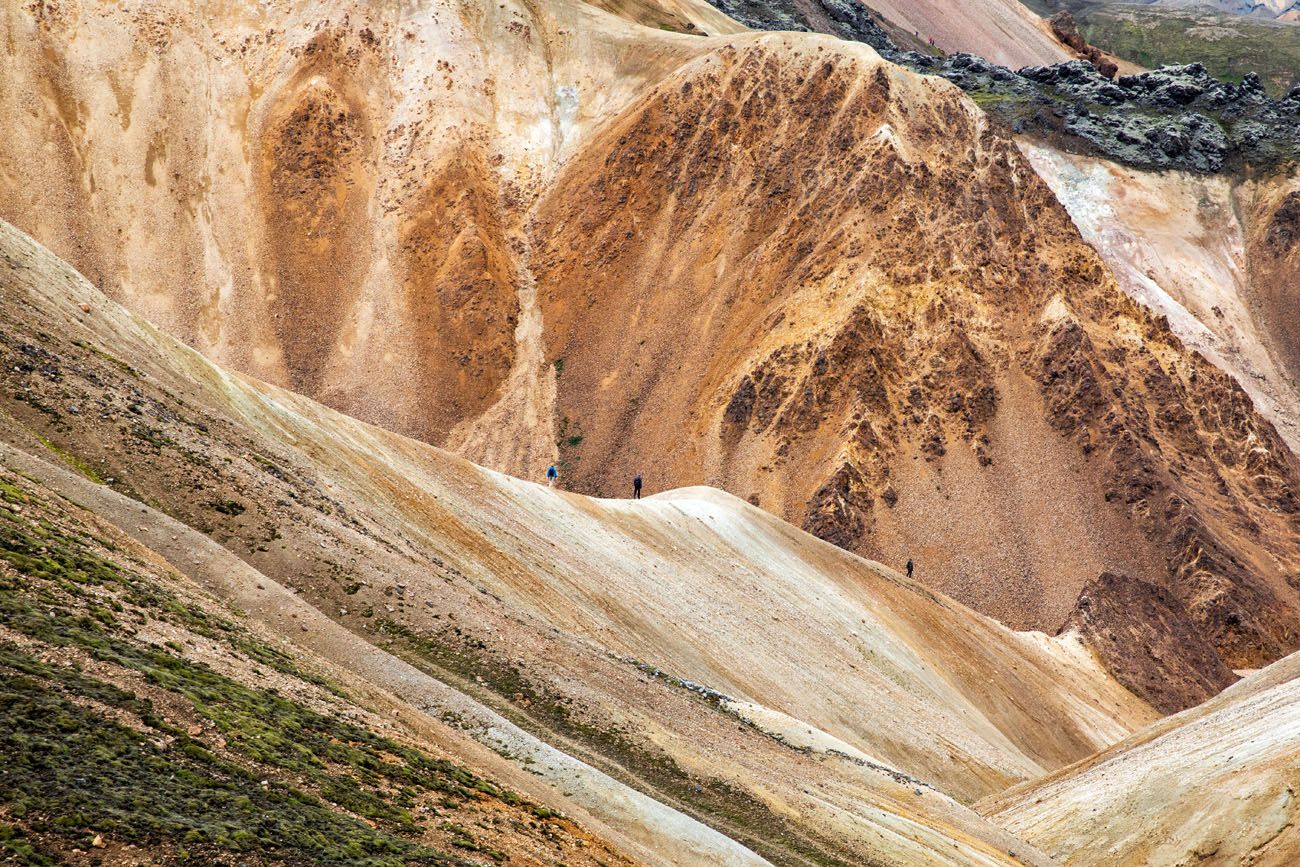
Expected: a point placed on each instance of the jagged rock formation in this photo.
(1178, 117)
(1149, 639)
(1066, 30)
(846, 19)
(1213, 785)
(631, 662)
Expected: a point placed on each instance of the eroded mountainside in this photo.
(773, 263)
(633, 657)
(1213, 254)
(950, 349)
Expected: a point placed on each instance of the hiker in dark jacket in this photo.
(909, 568)
(636, 487)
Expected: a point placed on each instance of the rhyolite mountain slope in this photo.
(1215, 255)
(772, 263)
(1003, 31)
(698, 680)
(1212, 785)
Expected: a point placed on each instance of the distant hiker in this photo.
(909, 568)
(551, 475)
(636, 487)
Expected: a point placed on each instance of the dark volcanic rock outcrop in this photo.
(1176, 117)
(847, 19)
(1149, 641)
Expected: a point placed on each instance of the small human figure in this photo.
(551, 475)
(909, 568)
(636, 487)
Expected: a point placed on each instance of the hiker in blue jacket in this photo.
(551, 475)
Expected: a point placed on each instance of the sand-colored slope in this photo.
(1213, 785)
(869, 699)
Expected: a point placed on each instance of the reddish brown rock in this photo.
(1066, 30)
(1149, 641)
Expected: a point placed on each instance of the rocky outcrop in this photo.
(1178, 117)
(847, 19)
(1065, 29)
(1149, 641)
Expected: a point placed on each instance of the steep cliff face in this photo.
(773, 263)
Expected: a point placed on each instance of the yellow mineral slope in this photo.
(701, 681)
(1212, 785)
(326, 195)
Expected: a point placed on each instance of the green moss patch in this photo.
(84, 755)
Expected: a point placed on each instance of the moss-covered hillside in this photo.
(139, 717)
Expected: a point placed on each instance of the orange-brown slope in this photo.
(827, 285)
(326, 195)
(1272, 208)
